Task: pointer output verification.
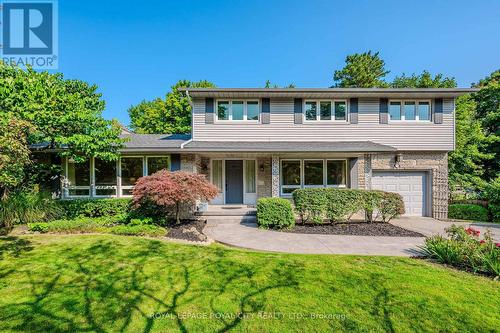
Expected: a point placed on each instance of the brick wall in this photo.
(264, 183)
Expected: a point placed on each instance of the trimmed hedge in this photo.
(467, 212)
(319, 204)
(94, 207)
(275, 213)
(492, 194)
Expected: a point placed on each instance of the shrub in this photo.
(463, 249)
(28, 207)
(468, 212)
(391, 206)
(492, 194)
(317, 204)
(275, 213)
(170, 191)
(94, 207)
(78, 225)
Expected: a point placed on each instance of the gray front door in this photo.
(234, 181)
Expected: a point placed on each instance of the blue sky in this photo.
(136, 50)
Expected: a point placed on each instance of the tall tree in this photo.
(362, 70)
(488, 112)
(424, 80)
(171, 115)
(466, 162)
(65, 113)
(14, 152)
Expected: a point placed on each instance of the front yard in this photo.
(117, 283)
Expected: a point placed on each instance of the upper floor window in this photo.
(325, 110)
(238, 110)
(410, 110)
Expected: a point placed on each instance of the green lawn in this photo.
(53, 283)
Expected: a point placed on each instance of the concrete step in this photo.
(229, 212)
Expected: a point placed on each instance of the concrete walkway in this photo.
(244, 233)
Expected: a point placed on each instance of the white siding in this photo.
(404, 136)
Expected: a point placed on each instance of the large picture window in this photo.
(105, 177)
(238, 110)
(78, 176)
(325, 108)
(312, 173)
(410, 110)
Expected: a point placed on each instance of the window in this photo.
(410, 110)
(395, 110)
(78, 175)
(310, 111)
(105, 177)
(157, 163)
(336, 172)
(217, 174)
(313, 173)
(290, 175)
(131, 171)
(238, 110)
(250, 176)
(424, 111)
(410, 113)
(325, 110)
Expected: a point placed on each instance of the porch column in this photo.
(275, 176)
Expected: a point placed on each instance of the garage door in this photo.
(411, 185)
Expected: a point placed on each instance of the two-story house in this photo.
(261, 142)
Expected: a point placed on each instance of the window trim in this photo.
(401, 110)
(332, 110)
(245, 110)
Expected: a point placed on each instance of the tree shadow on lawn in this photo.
(109, 287)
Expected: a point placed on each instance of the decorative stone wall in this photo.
(275, 176)
(264, 176)
(436, 163)
(189, 163)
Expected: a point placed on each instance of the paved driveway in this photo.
(245, 234)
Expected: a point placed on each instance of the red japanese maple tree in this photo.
(170, 190)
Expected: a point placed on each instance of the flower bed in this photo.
(464, 249)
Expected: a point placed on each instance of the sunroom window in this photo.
(105, 177)
(131, 171)
(336, 172)
(313, 173)
(237, 110)
(157, 163)
(78, 175)
(410, 110)
(325, 110)
(291, 176)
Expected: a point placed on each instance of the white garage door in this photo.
(411, 185)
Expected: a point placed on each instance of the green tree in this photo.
(65, 113)
(466, 169)
(14, 152)
(362, 70)
(488, 112)
(424, 80)
(171, 115)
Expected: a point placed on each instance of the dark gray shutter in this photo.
(353, 173)
(209, 111)
(438, 111)
(353, 110)
(266, 111)
(297, 110)
(175, 162)
(384, 111)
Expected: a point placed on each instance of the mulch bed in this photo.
(355, 229)
(190, 230)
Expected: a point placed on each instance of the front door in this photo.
(234, 181)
